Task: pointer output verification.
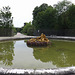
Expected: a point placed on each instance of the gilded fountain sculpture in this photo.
(39, 41)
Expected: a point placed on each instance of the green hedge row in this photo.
(6, 32)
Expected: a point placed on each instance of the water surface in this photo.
(16, 54)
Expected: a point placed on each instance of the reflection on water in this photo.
(16, 54)
(6, 52)
(61, 53)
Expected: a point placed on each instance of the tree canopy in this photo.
(44, 17)
(59, 16)
(62, 6)
(6, 18)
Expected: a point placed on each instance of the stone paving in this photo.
(17, 36)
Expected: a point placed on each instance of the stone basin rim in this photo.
(53, 71)
(29, 37)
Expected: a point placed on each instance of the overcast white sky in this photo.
(22, 9)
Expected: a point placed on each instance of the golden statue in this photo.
(39, 41)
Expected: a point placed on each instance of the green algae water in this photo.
(16, 54)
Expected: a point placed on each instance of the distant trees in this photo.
(26, 26)
(5, 17)
(71, 17)
(60, 16)
(62, 6)
(6, 22)
(44, 17)
(58, 19)
(28, 29)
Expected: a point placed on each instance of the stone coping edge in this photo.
(56, 71)
(12, 38)
(29, 37)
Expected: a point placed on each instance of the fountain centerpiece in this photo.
(39, 41)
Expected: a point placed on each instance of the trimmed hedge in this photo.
(6, 32)
(62, 32)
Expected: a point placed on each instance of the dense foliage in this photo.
(28, 29)
(5, 17)
(58, 19)
(44, 17)
(6, 22)
(26, 26)
(60, 16)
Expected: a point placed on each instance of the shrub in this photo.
(30, 31)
